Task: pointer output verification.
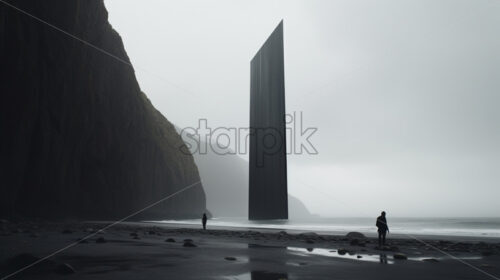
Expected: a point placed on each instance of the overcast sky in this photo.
(404, 94)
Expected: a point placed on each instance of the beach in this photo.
(135, 250)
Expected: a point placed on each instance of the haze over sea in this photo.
(459, 227)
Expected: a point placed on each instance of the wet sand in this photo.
(141, 251)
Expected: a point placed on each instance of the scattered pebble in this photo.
(354, 234)
(189, 244)
(342, 251)
(230, 258)
(400, 256)
(170, 240)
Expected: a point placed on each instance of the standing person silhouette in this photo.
(204, 221)
(383, 228)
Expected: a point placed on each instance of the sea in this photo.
(459, 227)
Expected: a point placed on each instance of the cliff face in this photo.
(78, 137)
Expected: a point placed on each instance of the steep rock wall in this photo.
(78, 137)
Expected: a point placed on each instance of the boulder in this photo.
(355, 234)
(189, 244)
(400, 256)
(101, 240)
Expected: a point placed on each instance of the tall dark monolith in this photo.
(268, 175)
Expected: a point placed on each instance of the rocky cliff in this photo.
(78, 137)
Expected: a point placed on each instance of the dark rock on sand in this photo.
(101, 240)
(342, 251)
(189, 244)
(65, 269)
(400, 256)
(354, 234)
(357, 242)
(432, 260)
(230, 258)
(170, 240)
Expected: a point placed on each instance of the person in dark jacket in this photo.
(383, 228)
(204, 221)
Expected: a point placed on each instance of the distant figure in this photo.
(383, 228)
(204, 221)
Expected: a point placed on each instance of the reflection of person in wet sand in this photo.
(383, 258)
(383, 228)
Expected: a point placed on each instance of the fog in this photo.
(404, 94)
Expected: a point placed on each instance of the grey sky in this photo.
(404, 93)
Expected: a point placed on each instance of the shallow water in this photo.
(259, 275)
(381, 258)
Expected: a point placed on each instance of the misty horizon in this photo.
(403, 94)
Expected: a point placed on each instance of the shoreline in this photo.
(371, 234)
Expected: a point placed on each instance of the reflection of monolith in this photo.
(268, 182)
